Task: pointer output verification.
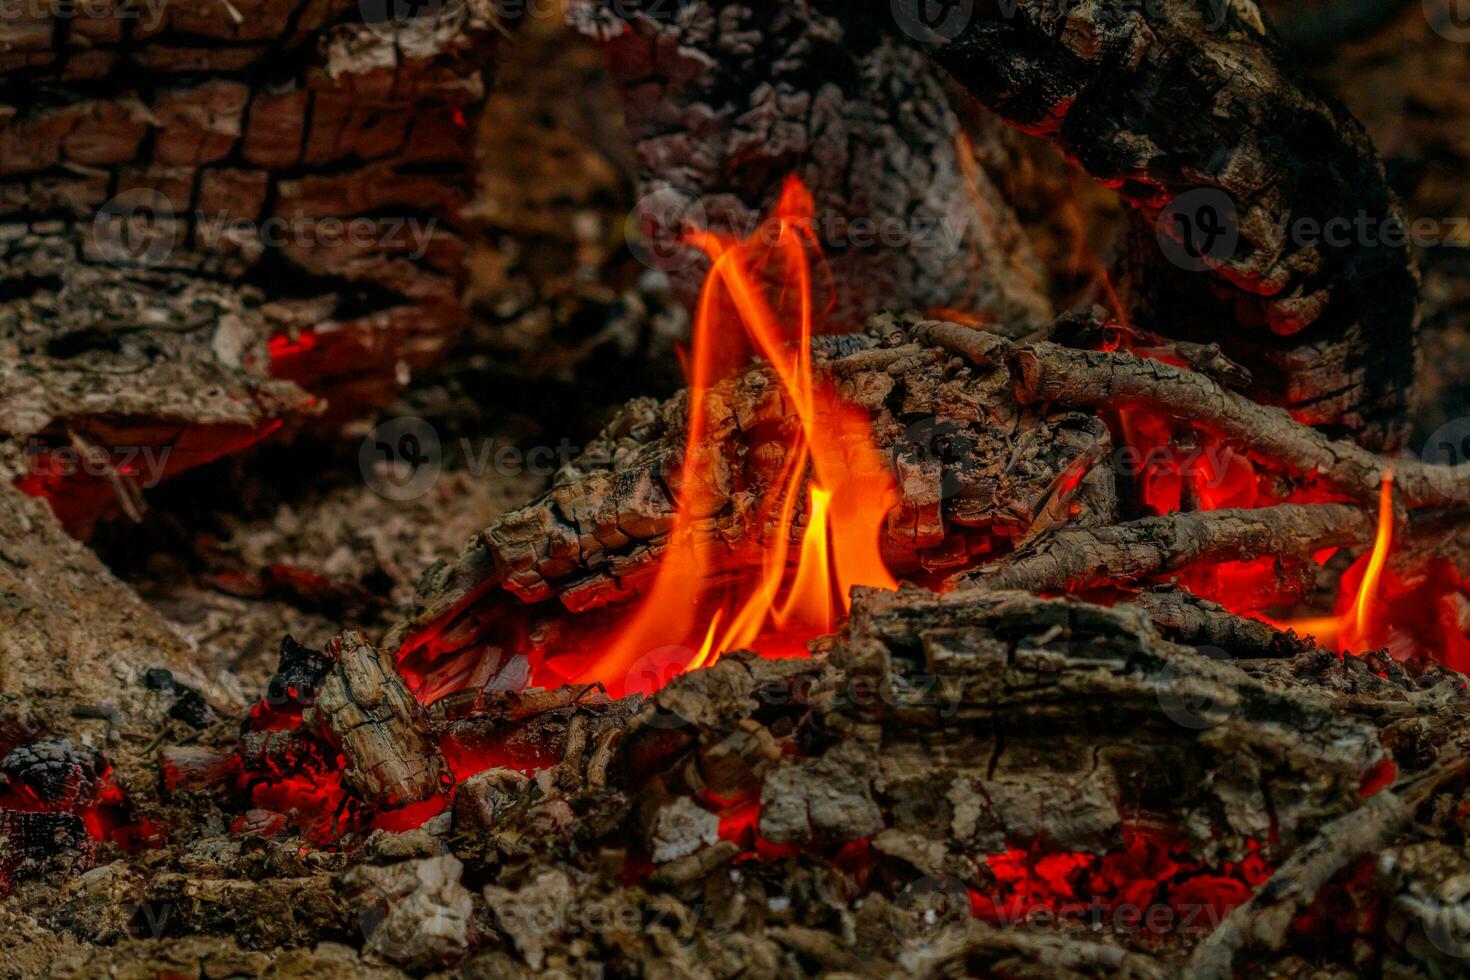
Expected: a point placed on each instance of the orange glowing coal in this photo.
(833, 494)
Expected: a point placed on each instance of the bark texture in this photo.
(973, 471)
(199, 198)
(724, 100)
(1185, 97)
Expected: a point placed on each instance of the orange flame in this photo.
(1356, 627)
(764, 283)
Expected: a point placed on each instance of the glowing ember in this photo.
(758, 300)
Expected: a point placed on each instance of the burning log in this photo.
(1167, 103)
(724, 100)
(363, 706)
(973, 467)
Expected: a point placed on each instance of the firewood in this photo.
(364, 706)
(1072, 559)
(160, 197)
(724, 99)
(971, 461)
(1161, 102)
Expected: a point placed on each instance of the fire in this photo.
(1358, 625)
(758, 300)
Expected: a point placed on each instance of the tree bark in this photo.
(1170, 102)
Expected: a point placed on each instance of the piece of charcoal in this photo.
(57, 772)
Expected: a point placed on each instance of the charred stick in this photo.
(364, 707)
(1079, 558)
(1233, 167)
(1266, 917)
(1186, 618)
(1046, 372)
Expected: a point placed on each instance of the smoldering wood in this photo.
(972, 465)
(1264, 920)
(724, 99)
(1047, 373)
(364, 707)
(1073, 559)
(171, 206)
(1164, 101)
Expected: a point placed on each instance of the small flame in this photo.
(758, 300)
(1357, 627)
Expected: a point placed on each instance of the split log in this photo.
(724, 100)
(973, 473)
(1176, 99)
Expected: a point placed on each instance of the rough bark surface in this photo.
(974, 472)
(176, 178)
(724, 100)
(1166, 101)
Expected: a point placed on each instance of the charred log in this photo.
(1168, 102)
(724, 100)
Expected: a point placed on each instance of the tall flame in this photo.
(1356, 627)
(758, 300)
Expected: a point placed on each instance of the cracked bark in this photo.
(175, 203)
(724, 99)
(1164, 101)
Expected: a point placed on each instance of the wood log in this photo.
(969, 466)
(1178, 100)
(213, 200)
(723, 100)
(364, 707)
